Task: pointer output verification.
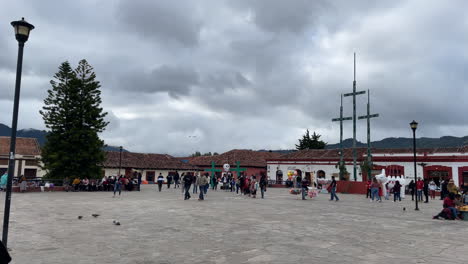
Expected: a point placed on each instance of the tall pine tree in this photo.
(308, 142)
(73, 115)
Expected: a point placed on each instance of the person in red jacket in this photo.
(368, 188)
(419, 189)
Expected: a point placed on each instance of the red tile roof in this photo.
(145, 161)
(333, 154)
(24, 146)
(322, 154)
(247, 158)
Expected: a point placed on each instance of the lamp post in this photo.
(120, 161)
(22, 30)
(414, 126)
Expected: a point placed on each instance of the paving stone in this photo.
(162, 228)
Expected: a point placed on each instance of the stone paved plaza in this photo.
(226, 228)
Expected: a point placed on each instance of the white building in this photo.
(434, 164)
(27, 157)
(149, 165)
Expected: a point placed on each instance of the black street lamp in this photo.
(120, 160)
(414, 126)
(22, 30)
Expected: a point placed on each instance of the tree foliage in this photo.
(74, 117)
(310, 142)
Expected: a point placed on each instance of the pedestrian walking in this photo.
(160, 181)
(426, 190)
(443, 189)
(305, 188)
(397, 191)
(169, 181)
(139, 181)
(176, 180)
(412, 189)
(375, 190)
(263, 184)
(202, 182)
(368, 189)
(253, 187)
(187, 179)
(238, 180)
(118, 185)
(419, 189)
(195, 183)
(432, 189)
(333, 186)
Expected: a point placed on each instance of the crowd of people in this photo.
(199, 183)
(111, 183)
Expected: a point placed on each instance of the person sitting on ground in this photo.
(92, 185)
(85, 184)
(76, 184)
(66, 184)
(449, 212)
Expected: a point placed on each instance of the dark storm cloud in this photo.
(276, 16)
(167, 21)
(174, 80)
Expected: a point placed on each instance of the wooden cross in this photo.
(238, 169)
(353, 94)
(213, 170)
(368, 117)
(341, 119)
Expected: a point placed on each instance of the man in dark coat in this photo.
(187, 183)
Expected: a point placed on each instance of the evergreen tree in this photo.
(73, 115)
(308, 142)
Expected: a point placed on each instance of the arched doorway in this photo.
(437, 173)
(279, 177)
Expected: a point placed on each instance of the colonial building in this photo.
(253, 161)
(27, 157)
(149, 165)
(434, 164)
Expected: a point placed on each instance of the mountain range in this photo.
(391, 142)
(40, 135)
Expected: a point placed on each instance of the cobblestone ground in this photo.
(227, 228)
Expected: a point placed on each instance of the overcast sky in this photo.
(213, 75)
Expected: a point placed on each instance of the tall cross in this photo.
(238, 169)
(341, 119)
(353, 94)
(213, 170)
(368, 117)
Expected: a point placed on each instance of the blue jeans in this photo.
(333, 194)
(206, 188)
(117, 187)
(187, 192)
(375, 193)
(454, 212)
(396, 196)
(202, 190)
(195, 188)
(420, 195)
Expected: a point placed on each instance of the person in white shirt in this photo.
(432, 189)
